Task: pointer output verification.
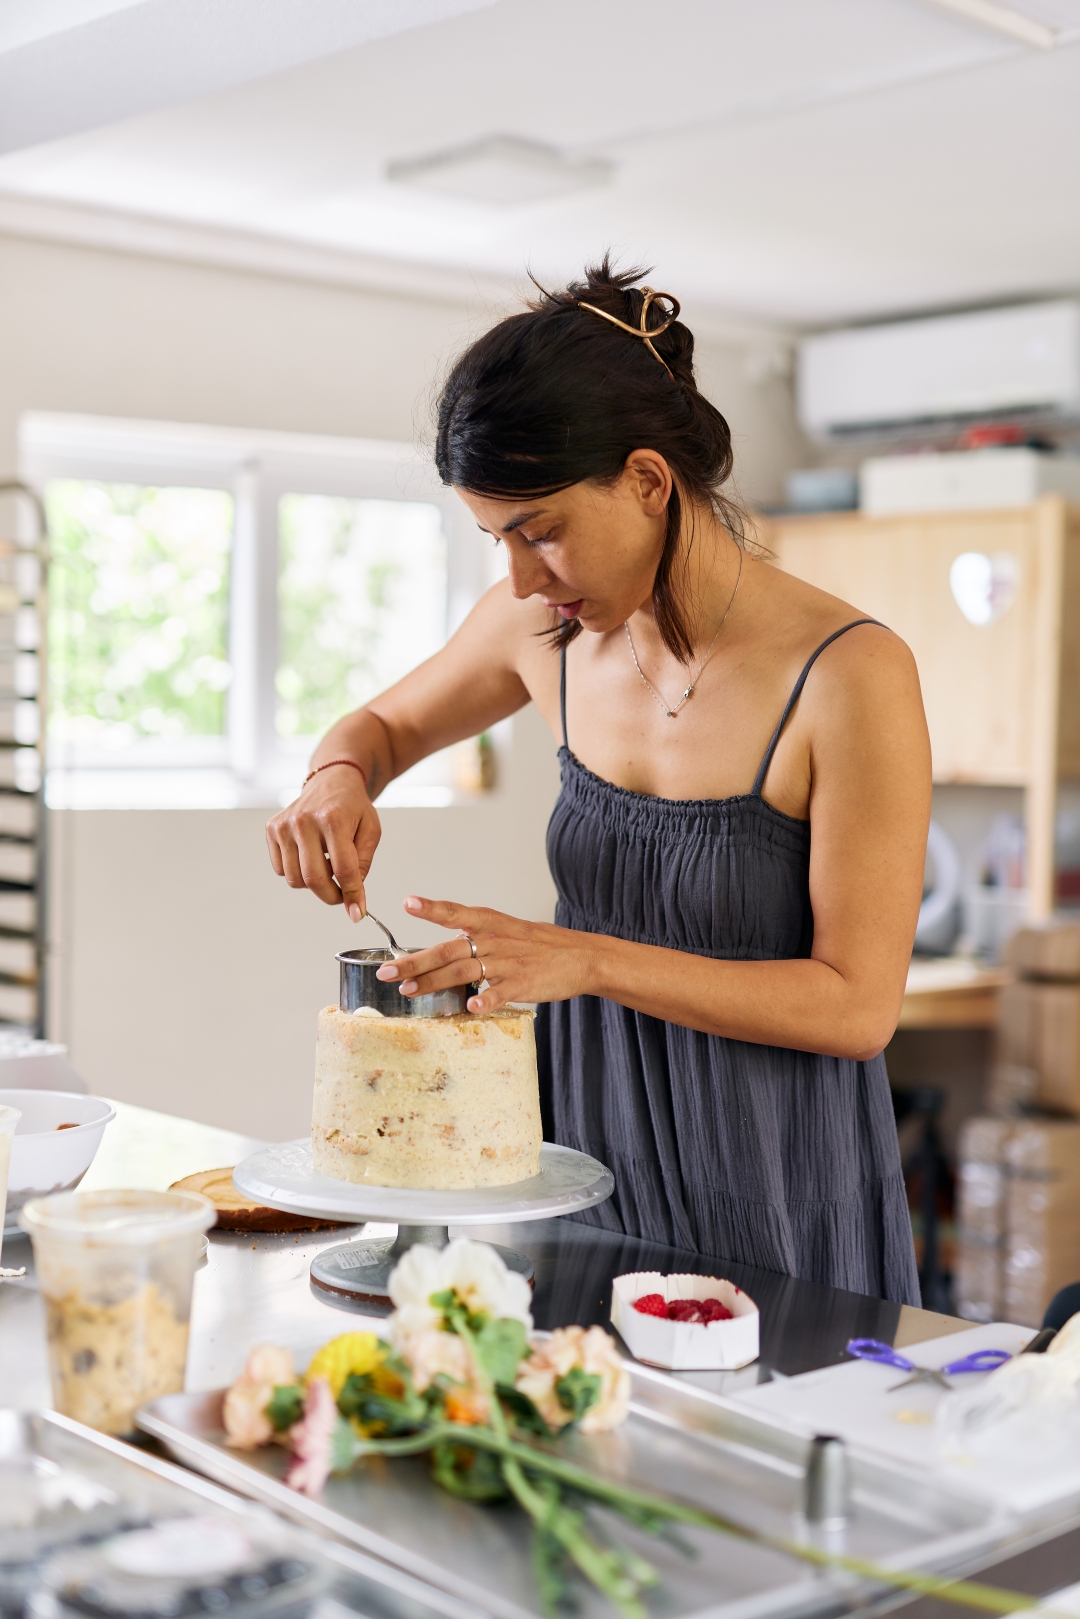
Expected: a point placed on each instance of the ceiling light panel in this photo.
(501, 171)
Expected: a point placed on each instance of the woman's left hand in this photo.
(521, 961)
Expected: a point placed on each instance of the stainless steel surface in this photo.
(138, 1486)
(255, 1289)
(282, 1177)
(395, 948)
(675, 1443)
(356, 1276)
(827, 1482)
(360, 987)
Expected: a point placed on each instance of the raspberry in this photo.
(685, 1310)
(698, 1312)
(651, 1304)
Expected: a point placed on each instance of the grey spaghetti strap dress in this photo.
(783, 1159)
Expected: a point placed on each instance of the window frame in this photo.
(250, 764)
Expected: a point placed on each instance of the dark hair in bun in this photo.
(558, 395)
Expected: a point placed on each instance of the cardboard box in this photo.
(981, 1201)
(1052, 952)
(1042, 1215)
(1039, 1028)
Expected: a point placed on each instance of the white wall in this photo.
(186, 976)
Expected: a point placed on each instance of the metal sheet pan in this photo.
(144, 1487)
(677, 1441)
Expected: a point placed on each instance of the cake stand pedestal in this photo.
(356, 1274)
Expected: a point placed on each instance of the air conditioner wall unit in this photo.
(988, 363)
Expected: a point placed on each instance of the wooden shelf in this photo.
(951, 993)
(1002, 698)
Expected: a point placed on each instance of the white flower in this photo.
(417, 1275)
(472, 1270)
(595, 1352)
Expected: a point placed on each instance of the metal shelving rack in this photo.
(23, 857)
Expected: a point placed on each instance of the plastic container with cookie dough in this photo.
(116, 1272)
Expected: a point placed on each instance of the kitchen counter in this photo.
(255, 1289)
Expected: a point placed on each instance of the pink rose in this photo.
(595, 1352)
(244, 1411)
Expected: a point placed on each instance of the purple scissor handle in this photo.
(884, 1354)
(980, 1360)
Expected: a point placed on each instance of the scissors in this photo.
(980, 1360)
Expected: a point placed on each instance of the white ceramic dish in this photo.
(45, 1159)
(682, 1346)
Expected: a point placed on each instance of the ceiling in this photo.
(801, 162)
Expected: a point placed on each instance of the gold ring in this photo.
(483, 969)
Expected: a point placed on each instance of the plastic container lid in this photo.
(118, 1217)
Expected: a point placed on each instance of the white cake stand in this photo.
(356, 1274)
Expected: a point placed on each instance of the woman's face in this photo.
(590, 551)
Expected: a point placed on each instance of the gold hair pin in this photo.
(644, 332)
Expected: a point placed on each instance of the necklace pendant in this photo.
(672, 713)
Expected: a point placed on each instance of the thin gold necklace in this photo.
(672, 713)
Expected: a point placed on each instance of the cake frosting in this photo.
(442, 1103)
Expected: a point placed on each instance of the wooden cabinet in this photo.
(1002, 697)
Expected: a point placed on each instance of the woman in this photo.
(739, 841)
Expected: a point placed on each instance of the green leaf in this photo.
(359, 1399)
(500, 1347)
(577, 1391)
(286, 1406)
(523, 1410)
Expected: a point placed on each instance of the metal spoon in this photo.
(395, 949)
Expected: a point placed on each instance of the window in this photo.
(361, 601)
(218, 599)
(138, 614)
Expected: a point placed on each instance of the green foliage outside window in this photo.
(361, 601)
(139, 608)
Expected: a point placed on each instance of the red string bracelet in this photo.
(330, 762)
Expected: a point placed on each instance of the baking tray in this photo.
(142, 1486)
(677, 1441)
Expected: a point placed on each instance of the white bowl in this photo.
(35, 1065)
(684, 1346)
(44, 1158)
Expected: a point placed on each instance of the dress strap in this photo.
(763, 768)
(562, 694)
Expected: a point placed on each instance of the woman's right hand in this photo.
(326, 839)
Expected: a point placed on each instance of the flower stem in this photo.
(965, 1593)
(549, 1513)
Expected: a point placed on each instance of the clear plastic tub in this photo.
(116, 1270)
(9, 1118)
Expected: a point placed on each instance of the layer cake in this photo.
(438, 1103)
